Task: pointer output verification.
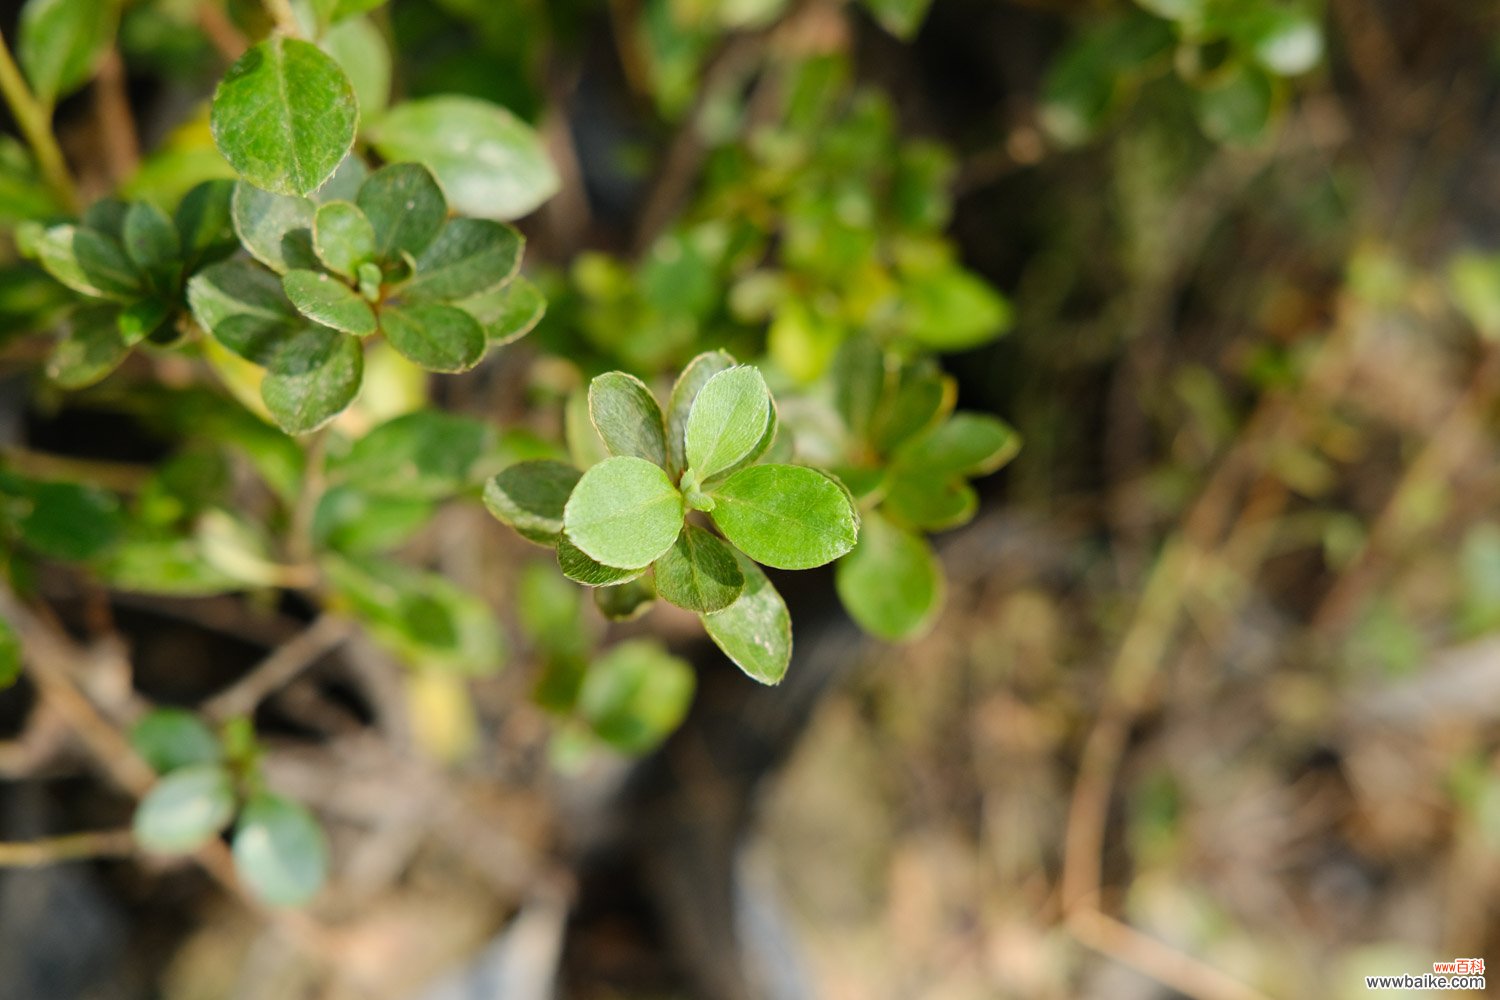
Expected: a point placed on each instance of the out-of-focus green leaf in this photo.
(635, 695)
(59, 42)
(185, 809)
(91, 348)
(280, 851)
(891, 582)
(173, 738)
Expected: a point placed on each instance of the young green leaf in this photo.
(184, 810)
(692, 380)
(469, 257)
(624, 601)
(728, 420)
(275, 228)
(90, 262)
(507, 312)
(280, 851)
(91, 348)
(151, 242)
(244, 307)
(284, 116)
(929, 503)
(624, 512)
(756, 630)
(968, 444)
(325, 299)
(627, 417)
(312, 378)
(699, 572)
(786, 516)
(343, 238)
(636, 694)
(440, 338)
(530, 497)
(577, 566)
(492, 165)
(891, 582)
(405, 205)
(173, 738)
(60, 41)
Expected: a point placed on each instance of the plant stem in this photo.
(286, 19)
(34, 119)
(70, 847)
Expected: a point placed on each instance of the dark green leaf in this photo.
(280, 852)
(692, 380)
(205, 222)
(62, 520)
(146, 318)
(312, 377)
(636, 694)
(624, 512)
(530, 497)
(469, 257)
(624, 601)
(244, 307)
(491, 164)
(786, 516)
(60, 41)
(440, 338)
(275, 228)
(10, 655)
(185, 810)
(891, 582)
(426, 455)
(90, 262)
(699, 572)
(405, 205)
(151, 241)
(285, 115)
(91, 348)
(353, 521)
(173, 738)
(343, 238)
(923, 396)
(627, 417)
(324, 299)
(577, 566)
(756, 630)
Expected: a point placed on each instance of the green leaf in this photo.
(786, 516)
(365, 56)
(173, 738)
(277, 229)
(951, 309)
(426, 455)
(728, 420)
(756, 630)
(508, 312)
(627, 417)
(931, 504)
(88, 261)
(324, 299)
(923, 396)
(244, 307)
(891, 583)
(636, 694)
(146, 318)
(624, 601)
(405, 205)
(59, 43)
(624, 512)
(469, 257)
(901, 18)
(205, 222)
(185, 810)
(284, 116)
(312, 378)
(353, 521)
(491, 164)
(692, 380)
(280, 851)
(66, 521)
(1236, 108)
(531, 496)
(699, 572)
(10, 655)
(859, 384)
(91, 348)
(577, 566)
(151, 241)
(174, 566)
(343, 237)
(967, 444)
(439, 338)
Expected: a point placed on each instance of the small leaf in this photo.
(625, 601)
(185, 810)
(530, 497)
(63, 520)
(627, 417)
(345, 183)
(923, 396)
(275, 228)
(692, 380)
(243, 306)
(60, 41)
(469, 257)
(173, 738)
(891, 582)
(312, 378)
(756, 630)
(928, 503)
(353, 521)
(508, 312)
(424, 455)
(88, 261)
(624, 512)
(405, 205)
(280, 851)
(491, 164)
(578, 567)
(151, 241)
(146, 318)
(859, 383)
(365, 55)
(205, 222)
(636, 694)
(325, 299)
(343, 238)
(967, 444)
(786, 516)
(699, 572)
(439, 338)
(91, 348)
(951, 309)
(284, 116)
(728, 420)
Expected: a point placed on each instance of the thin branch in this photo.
(286, 19)
(279, 669)
(34, 119)
(69, 847)
(117, 131)
(1166, 965)
(221, 32)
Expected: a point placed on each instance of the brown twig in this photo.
(117, 131)
(1145, 954)
(279, 669)
(221, 32)
(68, 847)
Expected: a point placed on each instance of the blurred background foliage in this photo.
(1210, 708)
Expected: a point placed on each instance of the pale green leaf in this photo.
(627, 417)
(365, 56)
(277, 229)
(173, 738)
(727, 421)
(786, 516)
(930, 503)
(326, 300)
(90, 262)
(90, 349)
(312, 377)
(185, 810)
(967, 444)
(756, 630)
(280, 851)
(689, 384)
(891, 583)
(59, 43)
(624, 512)
(343, 238)
(507, 312)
